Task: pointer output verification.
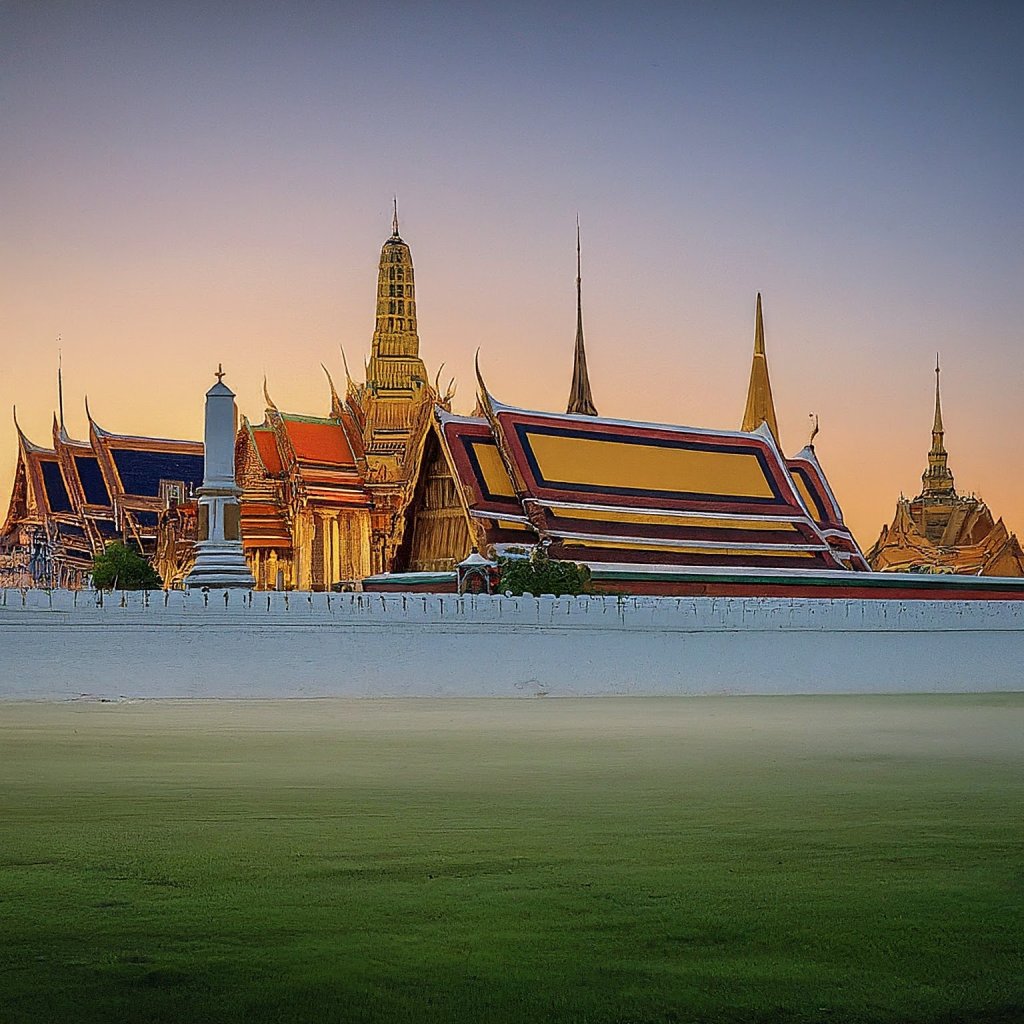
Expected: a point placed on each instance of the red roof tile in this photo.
(320, 442)
(266, 445)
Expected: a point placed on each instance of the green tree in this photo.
(539, 574)
(120, 567)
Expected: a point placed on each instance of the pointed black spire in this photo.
(581, 401)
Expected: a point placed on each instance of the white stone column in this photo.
(220, 560)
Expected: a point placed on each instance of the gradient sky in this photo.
(186, 183)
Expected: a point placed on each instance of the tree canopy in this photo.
(120, 567)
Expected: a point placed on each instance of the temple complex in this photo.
(941, 531)
(385, 488)
(323, 496)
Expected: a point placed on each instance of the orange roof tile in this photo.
(266, 446)
(320, 442)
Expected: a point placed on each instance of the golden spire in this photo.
(937, 478)
(760, 405)
(581, 401)
(395, 365)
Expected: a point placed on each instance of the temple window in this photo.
(401, 306)
(401, 273)
(391, 306)
(391, 323)
(401, 324)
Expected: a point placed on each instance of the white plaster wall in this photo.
(232, 644)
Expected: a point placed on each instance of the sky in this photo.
(189, 184)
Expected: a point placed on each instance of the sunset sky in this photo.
(183, 184)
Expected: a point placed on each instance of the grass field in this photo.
(779, 860)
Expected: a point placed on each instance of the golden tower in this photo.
(581, 401)
(937, 478)
(760, 405)
(396, 379)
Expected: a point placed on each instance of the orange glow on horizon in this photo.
(873, 442)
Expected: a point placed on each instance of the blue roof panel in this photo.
(141, 472)
(56, 492)
(93, 484)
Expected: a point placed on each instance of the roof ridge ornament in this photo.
(266, 395)
(60, 383)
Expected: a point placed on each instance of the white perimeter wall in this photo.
(232, 644)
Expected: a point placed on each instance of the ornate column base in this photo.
(220, 564)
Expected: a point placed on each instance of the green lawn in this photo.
(776, 860)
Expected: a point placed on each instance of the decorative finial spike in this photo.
(60, 382)
(394, 219)
(335, 400)
(266, 395)
(344, 362)
(759, 329)
(937, 425)
(220, 373)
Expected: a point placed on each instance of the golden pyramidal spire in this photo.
(937, 478)
(760, 405)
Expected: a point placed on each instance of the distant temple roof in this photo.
(941, 531)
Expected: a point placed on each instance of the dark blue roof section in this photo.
(56, 492)
(107, 529)
(141, 472)
(93, 484)
(146, 518)
(66, 530)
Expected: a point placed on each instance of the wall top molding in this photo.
(672, 614)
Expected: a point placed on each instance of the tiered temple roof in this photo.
(87, 493)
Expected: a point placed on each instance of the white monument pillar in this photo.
(220, 561)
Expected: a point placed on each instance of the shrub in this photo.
(539, 574)
(123, 568)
